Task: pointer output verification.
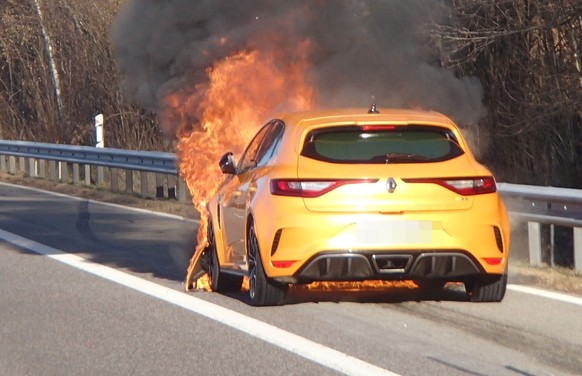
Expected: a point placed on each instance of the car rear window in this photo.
(381, 144)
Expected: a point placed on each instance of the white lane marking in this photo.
(306, 348)
(546, 294)
(167, 215)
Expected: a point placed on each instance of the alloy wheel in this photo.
(253, 248)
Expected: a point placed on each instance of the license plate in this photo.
(393, 232)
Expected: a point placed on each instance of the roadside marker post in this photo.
(100, 143)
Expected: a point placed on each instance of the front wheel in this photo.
(219, 280)
(263, 291)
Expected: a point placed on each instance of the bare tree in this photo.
(527, 54)
(62, 46)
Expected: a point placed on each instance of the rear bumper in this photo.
(357, 246)
(354, 266)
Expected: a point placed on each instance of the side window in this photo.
(270, 144)
(249, 158)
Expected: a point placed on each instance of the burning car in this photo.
(354, 195)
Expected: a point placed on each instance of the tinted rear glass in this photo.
(398, 144)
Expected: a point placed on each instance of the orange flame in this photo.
(203, 284)
(244, 90)
(360, 285)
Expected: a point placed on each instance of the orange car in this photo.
(357, 194)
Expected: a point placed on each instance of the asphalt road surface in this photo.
(95, 289)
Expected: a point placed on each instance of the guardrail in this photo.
(551, 206)
(54, 162)
(532, 204)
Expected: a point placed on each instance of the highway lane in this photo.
(56, 320)
(61, 318)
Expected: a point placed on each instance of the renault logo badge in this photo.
(391, 185)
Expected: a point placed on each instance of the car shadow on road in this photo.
(139, 242)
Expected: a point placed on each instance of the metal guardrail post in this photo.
(114, 180)
(52, 171)
(144, 183)
(41, 168)
(76, 173)
(129, 181)
(182, 190)
(171, 186)
(64, 172)
(100, 175)
(32, 167)
(21, 164)
(578, 249)
(535, 243)
(12, 165)
(87, 175)
(160, 186)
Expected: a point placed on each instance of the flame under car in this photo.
(348, 195)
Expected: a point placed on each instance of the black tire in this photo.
(263, 291)
(487, 288)
(219, 280)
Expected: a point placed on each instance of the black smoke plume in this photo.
(360, 49)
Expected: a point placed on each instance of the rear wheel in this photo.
(263, 291)
(219, 280)
(487, 288)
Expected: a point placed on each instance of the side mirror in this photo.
(227, 164)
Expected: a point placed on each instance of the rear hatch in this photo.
(386, 169)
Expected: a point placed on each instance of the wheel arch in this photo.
(265, 257)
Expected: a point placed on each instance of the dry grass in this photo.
(559, 279)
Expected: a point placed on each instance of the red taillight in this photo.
(282, 264)
(378, 127)
(310, 188)
(493, 260)
(464, 186)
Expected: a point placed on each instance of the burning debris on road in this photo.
(215, 70)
